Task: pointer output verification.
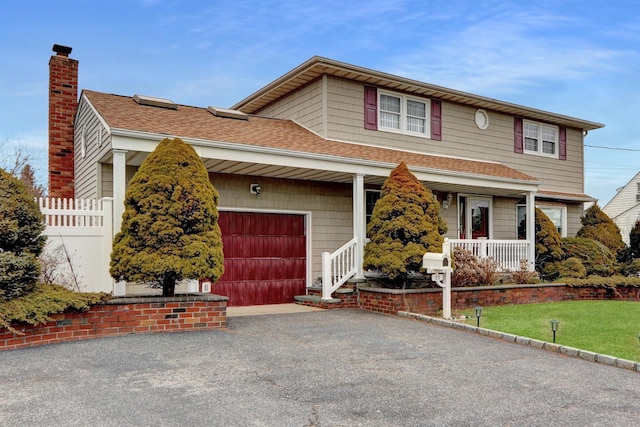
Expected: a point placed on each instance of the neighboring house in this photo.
(319, 142)
(624, 207)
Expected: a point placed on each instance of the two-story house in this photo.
(299, 165)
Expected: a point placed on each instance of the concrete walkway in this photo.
(319, 368)
(257, 310)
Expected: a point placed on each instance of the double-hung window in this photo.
(403, 114)
(540, 139)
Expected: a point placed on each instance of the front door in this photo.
(475, 217)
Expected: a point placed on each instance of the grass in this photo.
(605, 327)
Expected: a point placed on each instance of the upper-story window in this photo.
(400, 113)
(540, 139)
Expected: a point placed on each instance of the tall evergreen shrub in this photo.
(634, 240)
(21, 238)
(598, 226)
(405, 224)
(170, 225)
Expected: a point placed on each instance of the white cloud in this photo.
(506, 53)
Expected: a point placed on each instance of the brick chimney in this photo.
(63, 102)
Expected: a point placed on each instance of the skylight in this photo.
(227, 113)
(155, 102)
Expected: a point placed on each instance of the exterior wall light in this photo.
(447, 202)
(255, 189)
(554, 328)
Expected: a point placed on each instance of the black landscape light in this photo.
(554, 328)
(478, 310)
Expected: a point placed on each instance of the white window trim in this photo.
(403, 115)
(542, 205)
(540, 151)
(564, 216)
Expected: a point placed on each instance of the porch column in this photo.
(359, 221)
(119, 187)
(531, 228)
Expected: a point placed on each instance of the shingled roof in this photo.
(124, 113)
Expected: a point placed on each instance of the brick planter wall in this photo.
(429, 301)
(120, 316)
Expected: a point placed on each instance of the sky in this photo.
(579, 58)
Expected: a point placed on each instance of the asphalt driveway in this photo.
(328, 368)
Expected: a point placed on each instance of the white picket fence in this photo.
(79, 238)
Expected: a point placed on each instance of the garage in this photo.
(264, 258)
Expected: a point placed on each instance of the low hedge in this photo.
(605, 282)
(37, 306)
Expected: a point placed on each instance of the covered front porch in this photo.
(471, 227)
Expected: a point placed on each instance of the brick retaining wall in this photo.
(120, 316)
(429, 301)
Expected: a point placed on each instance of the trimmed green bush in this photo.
(405, 224)
(570, 267)
(596, 258)
(631, 269)
(598, 226)
(170, 225)
(604, 282)
(21, 238)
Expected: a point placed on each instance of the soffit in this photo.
(317, 66)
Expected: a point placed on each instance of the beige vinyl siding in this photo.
(450, 216)
(86, 170)
(304, 106)
(460, 137)
(107, 178)
(574, 212)
(504, 218)
(330, 206)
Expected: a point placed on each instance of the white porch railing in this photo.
(338, 267)
(507, 253)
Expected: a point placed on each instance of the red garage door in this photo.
(264, 258)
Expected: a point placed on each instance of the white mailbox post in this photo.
(439, 266)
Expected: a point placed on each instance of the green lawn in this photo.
(605, 327)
